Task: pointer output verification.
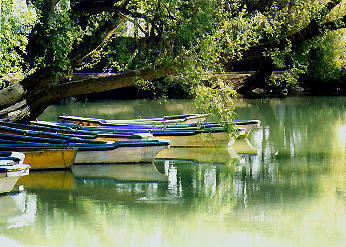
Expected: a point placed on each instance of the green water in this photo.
(291, 193)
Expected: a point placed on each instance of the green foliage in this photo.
(321, 59)
(217, 97)
(325, 56)
(16, 21)
(195, 37)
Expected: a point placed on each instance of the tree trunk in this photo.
(26, 100)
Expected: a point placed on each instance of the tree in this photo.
(129, 41)
(306, 26)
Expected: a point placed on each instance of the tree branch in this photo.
(313, 29)
(329, 6)
(92, 43)
(93, 83)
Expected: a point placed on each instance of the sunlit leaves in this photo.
(16, 21)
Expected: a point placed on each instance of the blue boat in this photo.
(142, 123)
(179, 137)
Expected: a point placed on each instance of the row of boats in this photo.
(79, 140)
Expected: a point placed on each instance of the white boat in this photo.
(120, 154)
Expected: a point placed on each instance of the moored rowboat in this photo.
(142, 152)
(43, 157)
(66, 133)
(179, 137)
(183, 118)
(130, 124)
(88, 151)
(51, 158)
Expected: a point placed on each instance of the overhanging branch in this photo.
(93, 83)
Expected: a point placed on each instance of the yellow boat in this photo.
(50, 158)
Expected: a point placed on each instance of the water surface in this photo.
(290, 190)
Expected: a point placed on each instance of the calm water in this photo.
(290, 190)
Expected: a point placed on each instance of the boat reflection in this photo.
(7, 183)
(205, 155)
(9, 178)
(17, 210)
(243, 146)
(48, 180)
(120, 184)
(145, 172)
(219, 155)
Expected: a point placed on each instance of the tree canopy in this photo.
(48, 43)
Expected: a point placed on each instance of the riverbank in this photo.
(235, 78)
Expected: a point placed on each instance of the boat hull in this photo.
(119, 155)
(198, 140)
(221, 139)
(50, 158)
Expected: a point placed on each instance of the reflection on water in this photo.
(145, 172)
(288, 191)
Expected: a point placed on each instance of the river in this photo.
(286, 186)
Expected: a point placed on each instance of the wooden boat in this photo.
(179, 137)
(199, 140)
(45, 157)
(129, 152)
(61, 133)
(57, 158)
(10, 173)
(184, 118)
(83, 121)
(145, 172)
(88, 151)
